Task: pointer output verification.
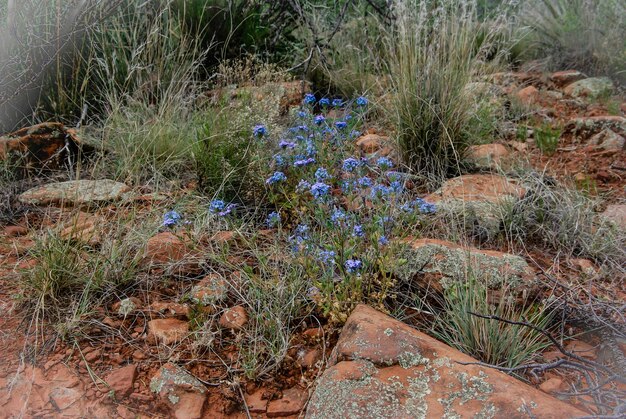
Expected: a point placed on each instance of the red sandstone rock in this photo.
(291, 403)
(234, 318)
(166, 247)
(563, 78)
(168, 331)
(528, 95)
(486, 188)
(383, 368)
(121, 380)
(370, 143)
(487, 155)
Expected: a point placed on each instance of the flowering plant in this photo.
(348, 207)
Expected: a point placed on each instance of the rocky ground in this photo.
(143, 356)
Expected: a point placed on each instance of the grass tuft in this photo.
(490, 341)
(434, 52)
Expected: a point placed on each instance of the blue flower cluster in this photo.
(273, 219)
(220, 208)
(353, 265)
(342, 234)
(171, 218)
(276, 178)
(259, 131)
(320, 190)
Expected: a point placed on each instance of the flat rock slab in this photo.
(438, 264)
(46, 145)
(477, 188)
(75, 192)
(382, 368)
(487, 156)
(480, 197)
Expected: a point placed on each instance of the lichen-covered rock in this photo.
(585, 128)
(481, 196)
(382, 368)
(180, 391)
(75, 192)
(210, 290)
(487, 156)
(438, 264)
(591, 88)
(608, 140)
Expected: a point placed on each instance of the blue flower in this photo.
(303, 186)
(362, 101)
(393, 175)
(353, 265)
(171, 218)
(338, 216)
(347, 185)
(407, 207)
(357, 231)
(341, 124)
(299, 138)
(259, 131)
(365, 182)
(304, 162)
(384, 163)
(302, 230)
(310, 149)
(324, 101)
(320, 190)
(350, 164)
(321, 174)
(219, 207)
(279, 159)
(303, 114)
(309, 99)
(380, 191)
(319, 119)
(286, 144)
(276, 177)
(396, 186)
(327, 257)
(355, 134)
(337, 103)
(303, 128)
(300, 237)
(273, 219)
(427, 208)
(383, 240)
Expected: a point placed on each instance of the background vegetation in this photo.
(169, 93)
